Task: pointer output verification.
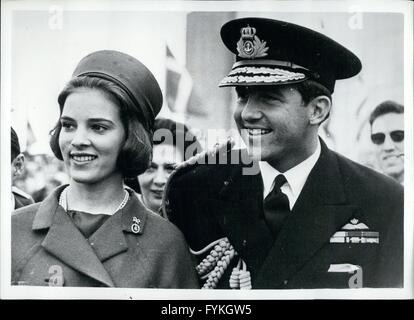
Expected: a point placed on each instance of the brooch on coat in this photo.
(135, 227)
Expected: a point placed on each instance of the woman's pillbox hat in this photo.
(129, 74)
(272, 52)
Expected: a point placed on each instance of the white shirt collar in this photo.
(296, 176)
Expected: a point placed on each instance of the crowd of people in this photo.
(308, 218)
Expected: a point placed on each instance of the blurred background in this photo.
(183, 49)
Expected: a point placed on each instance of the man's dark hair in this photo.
(310, 89)
(385, 108)
(15, 146)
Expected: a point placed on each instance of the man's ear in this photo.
(18, 165)
(319, 109)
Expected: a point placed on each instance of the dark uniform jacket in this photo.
(345, 230)
(48, 249)
(21, 198)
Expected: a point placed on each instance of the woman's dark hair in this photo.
(178, 135)
(136, 152)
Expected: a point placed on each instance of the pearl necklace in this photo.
(63, 200)
(124, 202)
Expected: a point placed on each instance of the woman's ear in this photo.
(319, 110)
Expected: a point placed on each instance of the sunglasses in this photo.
(379, 138)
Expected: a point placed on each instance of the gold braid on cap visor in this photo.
(253, 74)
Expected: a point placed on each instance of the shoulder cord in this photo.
(240, 278)
(219, 241)
(215, 264)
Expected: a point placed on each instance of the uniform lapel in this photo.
(229, 212)
(66, 242)
(239, 213)
(318, 213)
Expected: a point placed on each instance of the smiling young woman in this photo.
(94, 231)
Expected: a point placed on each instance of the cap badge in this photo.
(250, 46)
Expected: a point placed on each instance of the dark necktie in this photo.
(276, 206)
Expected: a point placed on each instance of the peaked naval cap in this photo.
(273, 52)
(129, 74)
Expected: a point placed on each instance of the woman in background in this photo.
(94, 232)
(173, 144)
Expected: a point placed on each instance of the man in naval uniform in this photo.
(307, 217)
(19, 198)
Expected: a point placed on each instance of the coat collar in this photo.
(65, 241)
(109, 240)
(47, 209)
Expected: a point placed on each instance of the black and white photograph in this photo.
(182, 150)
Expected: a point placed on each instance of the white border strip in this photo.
(14, 292)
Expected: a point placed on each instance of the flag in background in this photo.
(31, 137)
(179, 84)
(34, 144)
(181, 97)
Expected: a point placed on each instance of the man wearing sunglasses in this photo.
(387, 133)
